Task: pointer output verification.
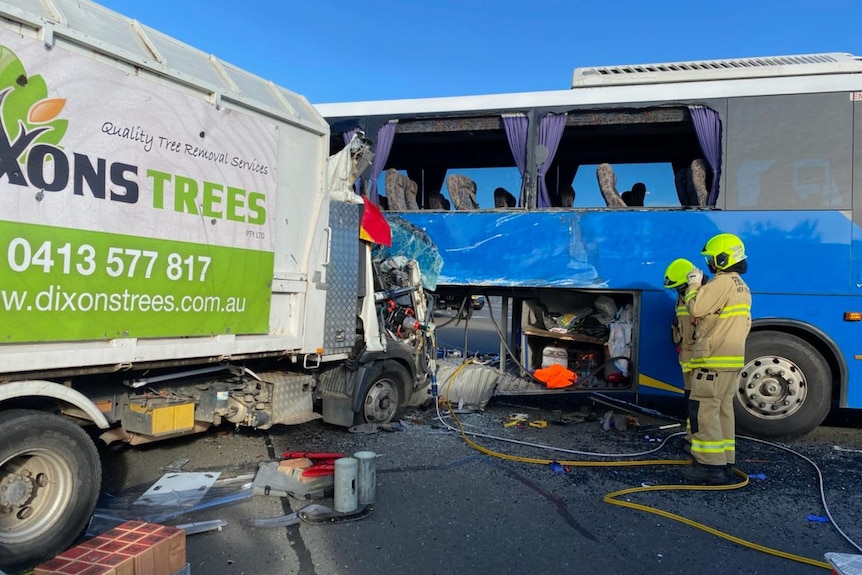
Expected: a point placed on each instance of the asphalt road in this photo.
(442, 506)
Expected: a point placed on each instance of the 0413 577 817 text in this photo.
(85, 260)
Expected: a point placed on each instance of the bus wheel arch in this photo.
(785, 389)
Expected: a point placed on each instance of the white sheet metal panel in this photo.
(299, 241)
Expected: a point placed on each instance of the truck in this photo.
(179, 251)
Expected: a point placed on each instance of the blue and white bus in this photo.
(525, 197)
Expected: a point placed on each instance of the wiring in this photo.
(614, 498)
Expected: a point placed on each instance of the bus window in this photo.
(798, 165)
(658, 179)
(487, 180)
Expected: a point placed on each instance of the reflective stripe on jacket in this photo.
(723, 311)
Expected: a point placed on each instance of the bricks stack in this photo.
(133, 548)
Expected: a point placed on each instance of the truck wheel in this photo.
(785, 388)
(50, 476)
(381, 396)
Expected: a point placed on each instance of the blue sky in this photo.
(338, 50)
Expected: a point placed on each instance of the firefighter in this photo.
(682, 329)
(722, 309)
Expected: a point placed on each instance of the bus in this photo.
(569, 204)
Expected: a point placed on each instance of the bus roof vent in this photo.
(769, 66)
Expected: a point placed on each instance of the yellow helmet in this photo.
(724, 251)
(676, 274)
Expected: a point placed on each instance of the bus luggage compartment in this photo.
(588, 332)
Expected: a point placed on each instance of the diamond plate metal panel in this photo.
(342, 277)
(292, 397)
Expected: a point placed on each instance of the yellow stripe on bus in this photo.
(648, 381)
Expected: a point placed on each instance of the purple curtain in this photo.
(708, 127)
(516, 132)
(348, 135)
(382, 147)
(550, 131)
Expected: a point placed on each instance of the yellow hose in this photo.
(612, 497)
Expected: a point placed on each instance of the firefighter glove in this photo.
(695, 277)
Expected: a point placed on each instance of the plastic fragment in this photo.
(202, 526)
(817, 519)
(288, 519)
(759, 476)
(556, 467)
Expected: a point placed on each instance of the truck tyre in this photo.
(381, 395)
(50, 476)
(785, 388)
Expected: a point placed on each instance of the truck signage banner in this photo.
(128, 208)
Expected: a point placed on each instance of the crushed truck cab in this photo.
(178, 251)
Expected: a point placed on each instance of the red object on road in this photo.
(319, 470)
(312, 455)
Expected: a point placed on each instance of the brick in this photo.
(93, 556)
(148, 527)
(142, 556)
(51, 566)
(129, 536)
(74, 552)
(132, 525)
(73, 567)
(122, 564)
(113, 546)
(95, 542)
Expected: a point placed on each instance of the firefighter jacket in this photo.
(682, 331)
(722, 309)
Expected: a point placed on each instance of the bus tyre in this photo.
(785, 388)
(50, 476)
(381, 395)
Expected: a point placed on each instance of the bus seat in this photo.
(437, 201)
(697, 182)
(410, 190)
(608, 186)
(638, 194)
(462, 190)
(503, 198)
(680, 181)
(627, 197)
(394, 183)
(567, 197)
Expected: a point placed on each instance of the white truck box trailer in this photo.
(176, 251)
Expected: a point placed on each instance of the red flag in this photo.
(374, 227)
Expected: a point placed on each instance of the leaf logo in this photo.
(27, 114)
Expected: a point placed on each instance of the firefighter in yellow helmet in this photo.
(722, 309)
(682, 329)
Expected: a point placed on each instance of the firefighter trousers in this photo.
(710, 409)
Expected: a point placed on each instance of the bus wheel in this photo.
(50, 476)
(784, 389)
(381, 396)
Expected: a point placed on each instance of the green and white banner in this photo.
(127, 207)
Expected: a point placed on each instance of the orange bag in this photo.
(556, 376)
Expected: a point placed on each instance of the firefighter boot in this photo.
(731, 476)
(700, 473)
